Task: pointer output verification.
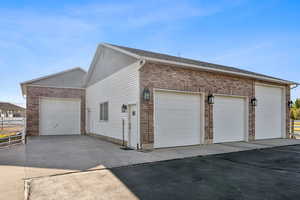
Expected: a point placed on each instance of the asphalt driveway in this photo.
(257, 174)
(49, 157)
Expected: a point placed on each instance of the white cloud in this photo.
(79, 22)
(236, 52)
(35, 41)
(168, 14)
(35, 35)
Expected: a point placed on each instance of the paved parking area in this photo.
(47, 156)
(267, 174)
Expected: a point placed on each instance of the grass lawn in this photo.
(7, 134)
(9, 131)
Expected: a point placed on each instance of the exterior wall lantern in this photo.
(146, 94)
(290, 104)
(124, 108)
(211, 99)
(253, 101)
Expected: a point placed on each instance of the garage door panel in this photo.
(171, 118)
(269, 112)
(59, 117)
(229, 119)
(177, 119)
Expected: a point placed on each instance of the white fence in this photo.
(295, 127)
(12, 136)
(8, 141)
(11, 121)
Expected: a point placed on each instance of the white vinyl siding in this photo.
(117, 89)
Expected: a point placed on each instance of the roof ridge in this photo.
(52, 75)
(172, 56)
(180, 57)
(23, 84)
(10, 104)
(188, 61)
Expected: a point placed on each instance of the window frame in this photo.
(104, 111)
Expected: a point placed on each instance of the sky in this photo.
(38, 38)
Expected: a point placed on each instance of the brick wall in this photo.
(32, 105)
(162, 76)
(288, 114)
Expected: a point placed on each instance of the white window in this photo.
(104, 111)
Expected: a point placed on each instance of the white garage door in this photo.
(229, 119)
(177, 119)
(269, 114)
(59, 117)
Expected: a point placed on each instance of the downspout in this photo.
(24, 95)
(292, 128)
(141, 62)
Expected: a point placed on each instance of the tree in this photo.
(295, 110)
(296, 104)
(295, 114)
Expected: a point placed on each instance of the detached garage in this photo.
(55, 104)
(59, 116)
(174, 101)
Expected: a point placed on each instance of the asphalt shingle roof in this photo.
(5, 106)
(144, 53)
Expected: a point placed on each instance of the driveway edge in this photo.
(27, 189)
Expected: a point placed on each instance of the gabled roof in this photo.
(107, 61)
(164, 58)
(72, 78)
(5, 106)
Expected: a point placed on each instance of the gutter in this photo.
(295, 86)
(219, 70)
(145, 58)
(142, 62)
